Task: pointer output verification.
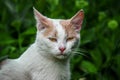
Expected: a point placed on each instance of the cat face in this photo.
(56, 37)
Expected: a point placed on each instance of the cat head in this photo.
(56, 37)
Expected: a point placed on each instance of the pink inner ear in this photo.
(77, 24)
(77, 27)
(77, 20)
(42, 21)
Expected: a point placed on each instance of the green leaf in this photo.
(29, 31)
(102, 15)
(96, 57)
(88, 67)
(5, 39)
(16, 23)
(81, 3)
(112, 24)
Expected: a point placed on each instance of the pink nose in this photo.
(62, 49)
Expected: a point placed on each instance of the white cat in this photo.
(48, 57)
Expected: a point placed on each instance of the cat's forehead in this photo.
(64, 27)
(59, 28)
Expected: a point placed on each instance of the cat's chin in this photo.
(61, 56)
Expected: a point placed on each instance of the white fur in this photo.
(61, 37)
(12, 70)
(42, 67)
(41, 60)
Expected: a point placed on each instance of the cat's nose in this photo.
(62, 49)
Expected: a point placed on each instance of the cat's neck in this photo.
(34, 55)
(39, 65)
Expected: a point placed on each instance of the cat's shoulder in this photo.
(12, 70)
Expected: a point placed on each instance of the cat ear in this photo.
(41, 20)
(77, 20)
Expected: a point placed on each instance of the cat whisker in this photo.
(76, 53)
(79, 52)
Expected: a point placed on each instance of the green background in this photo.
(100, 34)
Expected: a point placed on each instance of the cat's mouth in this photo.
(62, 55)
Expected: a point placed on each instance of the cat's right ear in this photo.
(41, 21)
(77, 20)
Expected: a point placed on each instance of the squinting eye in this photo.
(53, 39)
(70, 38)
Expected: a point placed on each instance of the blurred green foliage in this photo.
(99, 35)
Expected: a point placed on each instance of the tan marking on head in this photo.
(50, 29)
(55, 33)
(44, 23)
(69, 29)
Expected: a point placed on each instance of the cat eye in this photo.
(52, 39)
(70, 38)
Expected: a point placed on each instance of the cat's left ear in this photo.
(77, 20)
(41, 20)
